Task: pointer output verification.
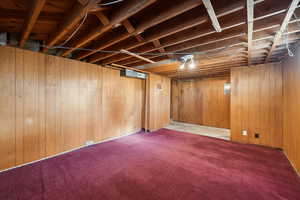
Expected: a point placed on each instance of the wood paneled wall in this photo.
(201, 101)
(256, 104)
(291, 110)
(158, 102)
(51, 104)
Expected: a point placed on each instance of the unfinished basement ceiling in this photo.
(252, 32)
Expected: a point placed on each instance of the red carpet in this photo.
(162, 165)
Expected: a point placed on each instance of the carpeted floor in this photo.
(162, 165)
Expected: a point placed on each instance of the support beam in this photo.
(102, 18)
(35, 10)
(212, 15)
(128, 9)
(207, 41)
(114, 39)
(182, 25)
(130, 29)
(127, 24)
(77, 13)
(158, 18)
(131, 68)
(157, 44)
(283, 27)
(137, 56)
(250, 17)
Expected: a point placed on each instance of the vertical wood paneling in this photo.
(291, 110)
(202, 101)
(256, 104)
(19, 106)
(159, 101)
(175, 91)
(121, 102)
(51, 104)
(53, 108)
(31, 102)
(7, 108)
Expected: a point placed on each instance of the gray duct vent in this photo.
(133, 74)
(3, 39)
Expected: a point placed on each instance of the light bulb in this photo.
(192, 65)
(182, 66)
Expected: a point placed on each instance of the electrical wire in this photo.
(110, 3)
(75, 31)
(138, 53)
(290, 53)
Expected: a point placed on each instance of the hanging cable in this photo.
(290, 53)
(138, 53)
(110, 3)
(75, 31)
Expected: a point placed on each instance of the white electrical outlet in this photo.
(244, 132)
(89, 142)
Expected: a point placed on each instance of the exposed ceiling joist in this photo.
(283, 27)
(137, 56)
(70, 21)
(128, 9)
(102, 18)
(250, 17)
(157, 44)
(125, 67)
(212, 15)
(158, 18)
(35, 10)
(189, 37)
(130, 29)
(182, 26)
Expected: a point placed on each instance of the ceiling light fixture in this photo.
(192, 64)
(187, 59)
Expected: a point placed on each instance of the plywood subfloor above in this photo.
(220, 133)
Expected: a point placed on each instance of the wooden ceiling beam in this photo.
(156, 59)
(284, 24)
(187, 21)
(250, 17)
(205, 67)
(127, 9)
(157, 44)
(179, 71)
(129, 27)
(193, 45)
(232, 51)
(102, 18)
(158, 18)
(35, 10)
(212, 15)
(137, 56)
(113, 40)
(125, 67)
(234, 21)
(205, 41)
(70, 21)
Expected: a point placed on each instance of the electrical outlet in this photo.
(244, 132)
(89, 142)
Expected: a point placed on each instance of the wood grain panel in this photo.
(291, 110)
(121, 101)
(201, 101)
(159, 102)
(7, 108)
(175, 92)
(51, 104)
(256, 104)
